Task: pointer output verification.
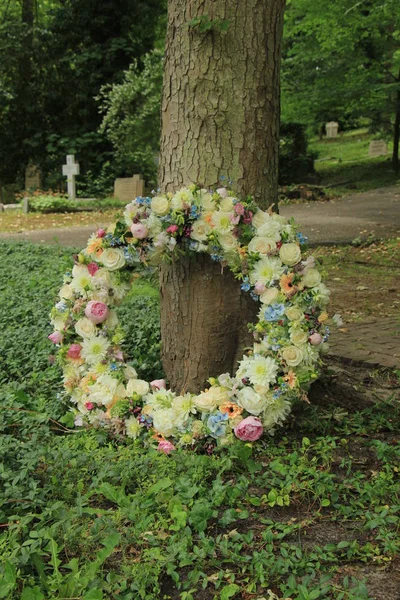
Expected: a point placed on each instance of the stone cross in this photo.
(70, 170)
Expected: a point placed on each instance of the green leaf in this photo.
(200, 514)
(229, 591)
(325, 502)
(8, 579)
(29, 593)
(93, 595)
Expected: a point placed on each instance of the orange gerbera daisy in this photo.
(94, 245)
(286, 283)
(291, 379)
(158, 437)
(231, 408)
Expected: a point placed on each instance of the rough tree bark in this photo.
(396, 131)
(220, 117)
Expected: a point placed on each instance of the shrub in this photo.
(295, 163)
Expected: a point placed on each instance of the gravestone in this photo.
(332, 129)
(377, 148)
(25, 205)
(127, 189)
(70, 170)
(33, 177)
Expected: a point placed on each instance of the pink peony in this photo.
(74, 351)
(223, 192)
(249, 430)
(165, 447)
(96, 311)
(158, 384)
(172, 229)
(93, 268)
(89, 405)
(315, 339)
(139, 231)
(260, 288)
(101, 233)
(56, 337)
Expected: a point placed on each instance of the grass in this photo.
(17, 222)
(345, 160)
(311, 513)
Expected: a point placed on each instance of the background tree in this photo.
(342, 62)
(220, 117)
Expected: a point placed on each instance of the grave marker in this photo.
(377, 148)
(33, 177)
(127, 189)
(332, 129)
(70, 170)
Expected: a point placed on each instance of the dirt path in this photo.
(337, 221)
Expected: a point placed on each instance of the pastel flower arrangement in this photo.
(263, 250)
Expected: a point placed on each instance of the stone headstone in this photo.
(377, 148)
(332, 129)
(127, 189)
(33, 178)
(25, 205)
(70, 170)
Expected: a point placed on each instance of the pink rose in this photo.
(74, 351)
(249, 430)
(139, 231)
(239, 208)
(56, 337)
(234, 219)
(93, 268)
(96, 311)
(165, 447)
(260, 288)
(172, 229)
(89, 405)
(158, 384)
(223, 192)
(101, 233)
(315, 339)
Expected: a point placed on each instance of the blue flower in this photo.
(246, 284)
(303, 239)
(217, 424)
(274, 312)
(61, 307)
(217, 257)
(194, 212)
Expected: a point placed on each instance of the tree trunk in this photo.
(396, 132)
(220, 118)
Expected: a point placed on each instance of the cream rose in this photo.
(227, 204)
(209, 400)
(164, 421)
(113, 259)
(270, 296)
(227, 241)
(311, 278)
(294, 313)
(85, 328)
(248, 399)
(200, 230)
(292, 356)
(262, 245)
(290, 254)
(260, 218)
(137, 386)
(298, 337)
(66, 292)
(160, 205)
(130, 372)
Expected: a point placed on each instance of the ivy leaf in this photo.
(229, 591)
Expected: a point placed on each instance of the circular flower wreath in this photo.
(263, 250)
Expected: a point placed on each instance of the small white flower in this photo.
(94, 349)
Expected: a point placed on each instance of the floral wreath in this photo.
(263, 250)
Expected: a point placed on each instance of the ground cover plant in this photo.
(310, 514)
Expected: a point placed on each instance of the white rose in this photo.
(137, 386)
(294, 313)
(311, 278)
(270, 296)
(66, 292)
(200, 230)
(130, 372)
(85, 328)
(290, 254)
(298, 337)
(226, 204)
(262, 245)
(164, 421)
(248, 399)
(227, 241)
(113, 259)
(208, 401)
(58, 322)
(260, 218)
(160, 205)
(292, 355)
(100, 295)
(270, 229)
